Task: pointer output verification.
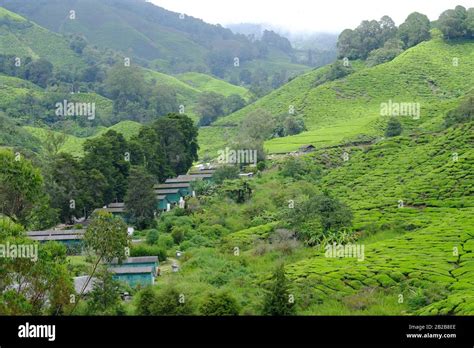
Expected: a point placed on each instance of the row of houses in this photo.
(171, 193)
(174, 191)
(135, 271)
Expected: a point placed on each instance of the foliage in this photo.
(107, 236)
(152, 237)
(203, 187)
(457, 23)
(225, 173)
(300, 168)
(394, 127)
(146, 298)
(368, 36)
(140, 200)
(104, 299)
(138, 250)
(462, 114)
(170, 302)
(210, 106)
(108, 155)
(277, 299)
(38, 285)
(166, 148)
(415, 29)
(238, 190)
(20, 185)
(391, 49)
(219, 304)
(317, 216)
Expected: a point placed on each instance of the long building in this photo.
(72, 239)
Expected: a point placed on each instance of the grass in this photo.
(409, 265)
(207, 83)
(27, 39)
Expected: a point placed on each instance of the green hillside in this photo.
(206, 83)
(12, 87)
(345, 108)
(123, 28)
(153, 36)
(419, 252)
(73, 144)
(437, 216)
(22, 38)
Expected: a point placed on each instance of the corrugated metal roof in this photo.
(204, 171)
(115, 210)
(139, 259)
(176, 185)
(56, 237)
(54, 232)
(178, 180)
(166, 191)
(131, 270)
(116, 205)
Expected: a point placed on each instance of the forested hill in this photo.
(161, 39)
(421, 63)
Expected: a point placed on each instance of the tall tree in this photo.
(209, 107)
(107, 238)
(278, 298)
(109, 154)
(66, 187)
(127, 88)
(469, 23)
(39, 72)
(20, 185)
(178, 138)
(149, 152)
(452, 23)
(140, 200)
(39, 285)
(415, 29)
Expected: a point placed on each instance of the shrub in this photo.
(220, 304)
(394, 128)
(170, 302)
(261, 166)
(299, 168)
(462, 114)
(152, 237)
(148, 250)
(165, 241)
(225, 173)
(277, 299)
(319, 215)
(146, 299)
(177, 234)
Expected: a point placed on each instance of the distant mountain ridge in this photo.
(155, 37)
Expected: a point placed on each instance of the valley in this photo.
(164, 166)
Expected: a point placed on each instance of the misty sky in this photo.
(307, 15)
